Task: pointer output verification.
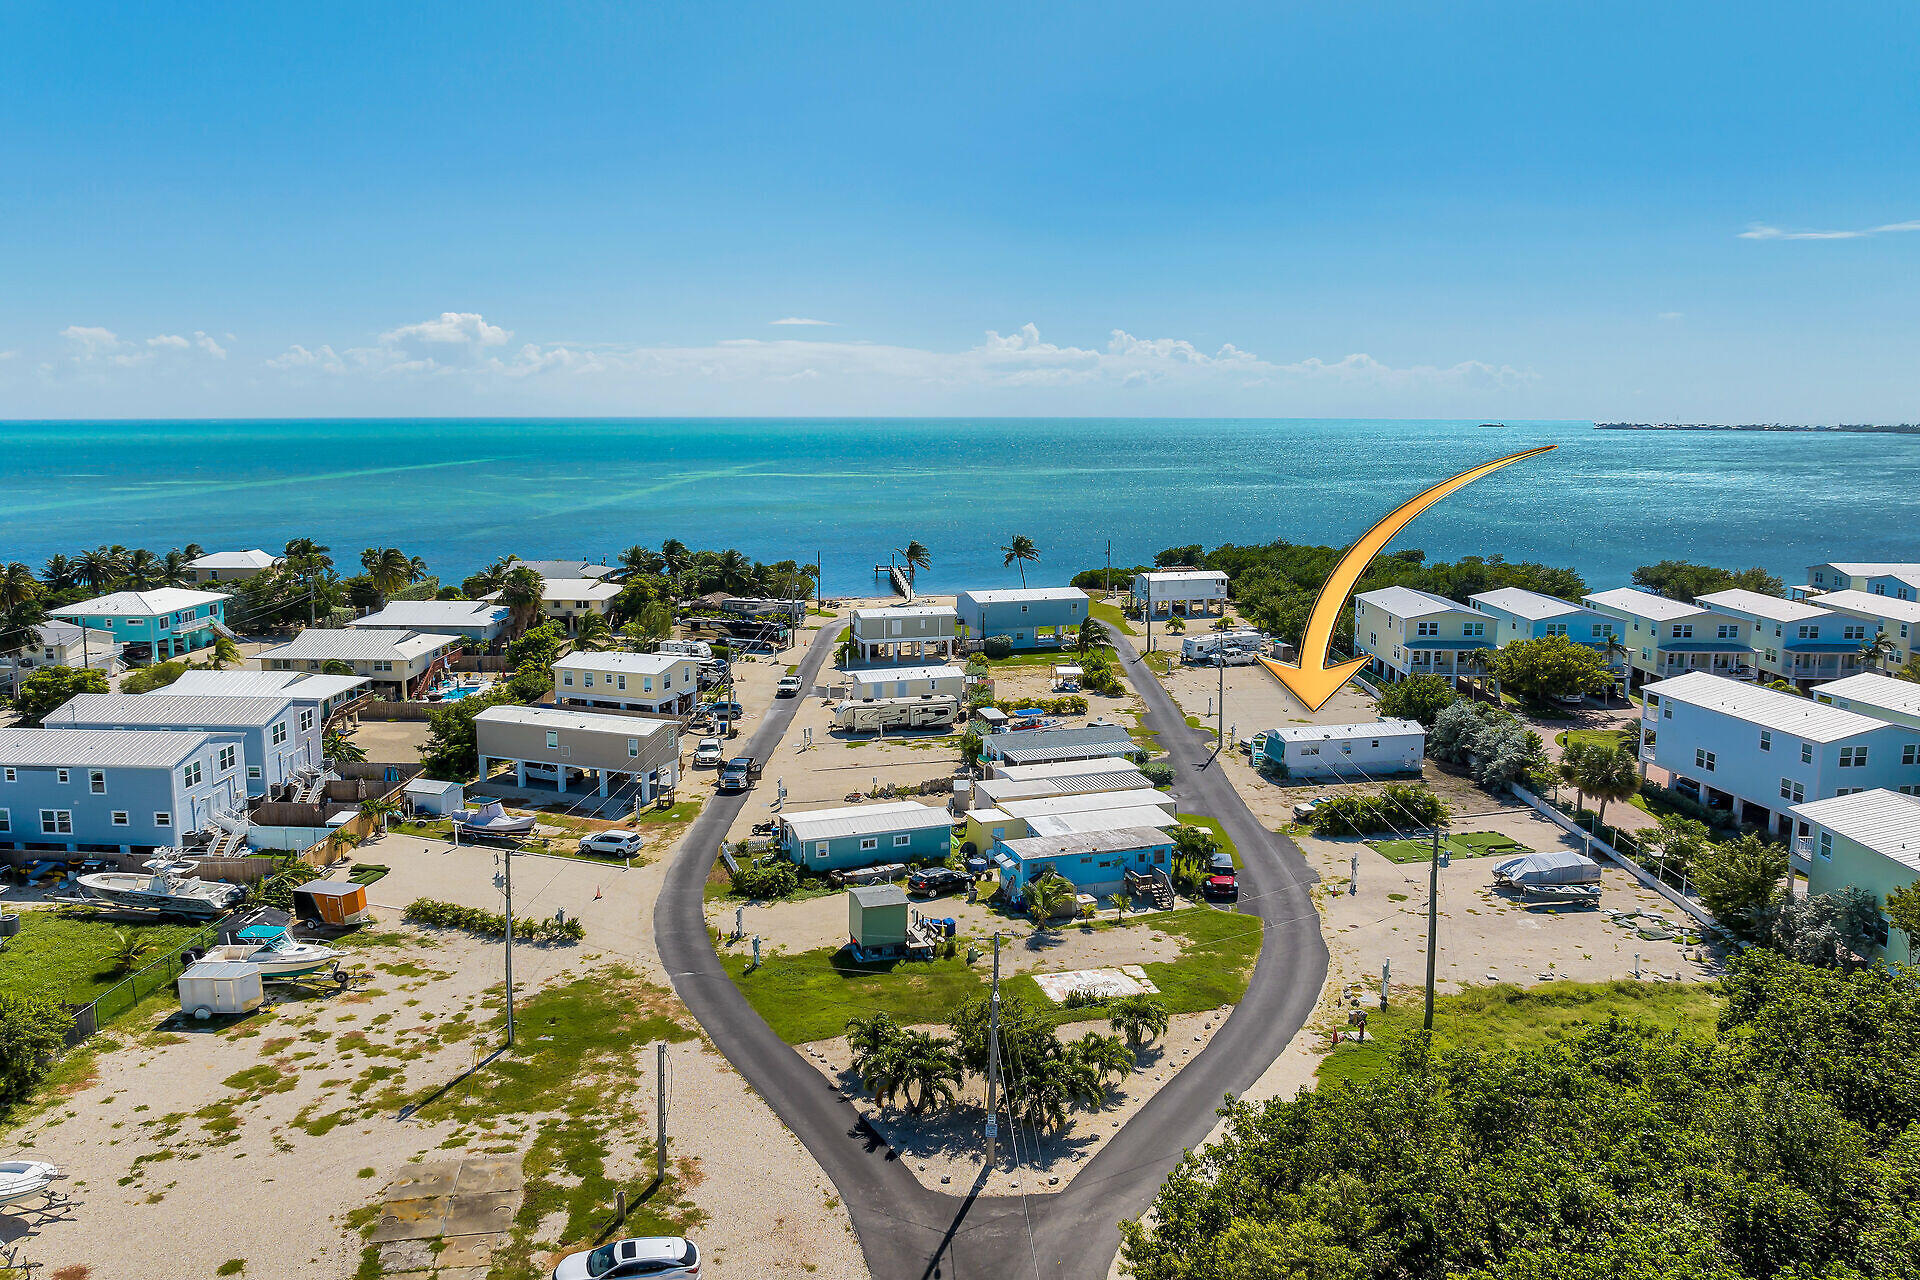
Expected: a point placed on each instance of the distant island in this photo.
(1870, 428)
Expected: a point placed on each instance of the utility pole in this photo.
(1433, 921)
(993, 1056)
(507, 858)
(660, 1112)
(1109, 577)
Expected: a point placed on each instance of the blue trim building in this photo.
(171, 621)
(1029, 617)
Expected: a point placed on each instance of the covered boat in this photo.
(165, 885)
(490, 819)
(1553, 869)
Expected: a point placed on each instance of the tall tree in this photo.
(916, 557)
(142, 569)
(1737, 882)
(61, 574)
(390, 569)
(1608, 775)
(641, 562)
(523, 592)
(1021, 551)
(98, 568)
(1878, 652)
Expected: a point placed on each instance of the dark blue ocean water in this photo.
(462, 492)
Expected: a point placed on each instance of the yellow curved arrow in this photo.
(1313, 681)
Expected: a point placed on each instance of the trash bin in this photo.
(950, 925)
(9, 925)
(1446, 856)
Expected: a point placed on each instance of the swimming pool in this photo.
(453, 693)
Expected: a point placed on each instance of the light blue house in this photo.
(87, 791)
(1793, 640)
(1519, 614)
(169, 621)
(866, 835)
(1029, 617)
(279, 734)
(1094, 862)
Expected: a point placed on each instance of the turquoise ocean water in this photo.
(461, 492)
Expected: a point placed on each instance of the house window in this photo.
(1728, 631)
(60, 776)
(6, 820)
(1766, 740)
(902, 841)
(190, 776)
(1476, 630)
(586, 679)
(1426, 629)
(1683, 631)
(620, 682)
(633, 747)
(162, 819)
(12, 775)
(1603, 628)
(1556, 628)
(869, 842)
(820, 849)
(1852, 757)
(646, 684)
(1910, 754)
(1826, 846)
(1853, 633)
(97, 781)
(1703, 759)
(566, 678)
(383, 666)
(226, 759)
(1807, 632)
(279, 732)
(56, 822)
(119, 817)
(1666, 710)
(306, 721)
(253, 771)
(553, 738)
(1791, 790)
(1806, 753)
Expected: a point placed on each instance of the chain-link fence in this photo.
(122, 996)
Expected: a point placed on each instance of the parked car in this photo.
(613, 844)
(708, 754)
(1569, 699)
(789, 687)
(656, 1258)
(728, 711)
(1221, 888)
(1303, 812)
(932, 881)
(738, 773)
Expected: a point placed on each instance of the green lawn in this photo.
(1067, 656)
(1217, 963)
(685, 811)
(71, 958)
(1111, 615)
(1467, 844)
(1611, 739)
(1219, 833)
(810, 995)
(1504, 1016)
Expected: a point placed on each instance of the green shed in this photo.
(877, 917)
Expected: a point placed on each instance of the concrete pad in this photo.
(407, 1255)
(471, 1251)
(1108, 984)
(414, 1219)
(478, 1177)
(436, 1179)
(474, 1215)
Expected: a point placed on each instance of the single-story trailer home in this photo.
(866, 834)
(1104, 810)
(1186, 592)
(907, 682)
(1094, 862)
(329, 694)
(658, 683)
(1047, 746)
(475, 620)
(279, 735)
(231, 566)
(1029, 617)
(903, 631)
(131, 791)
(1073, 777)
(399, 664)
(163, 624)
(628, 755)
(1348, 751)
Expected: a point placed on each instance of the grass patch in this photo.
(1504, 1016)
(1215, 964)
(1467, 844)
(1045, 657)
(70, 955)
(683, 811)
(810, 995)
(1112, 616)
(1607, 739)
(1213, 826)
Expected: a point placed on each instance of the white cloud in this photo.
(1671, 316)
(209, 346)
(173, 340)
(298, 357)
(453, 328)
(804, 320)
(1762, 231)
(90, 340)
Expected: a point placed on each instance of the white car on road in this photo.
(788, 687)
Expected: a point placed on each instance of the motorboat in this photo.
(167, 885)
(490, 820)
(25, 1179)
(276, 952)
(1556, 876)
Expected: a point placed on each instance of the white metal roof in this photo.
(254, 559)
(1066, 769)
(644, 664)
(425, 615)
(1876, 569)
(581, 721)
(1167, 577)
(1060, 824)
(1760, 605)
(1330, 732)
(579, 589)
(1642, 604)
(308, 686)
(1892, 608)
(319, 644)
(1024, 595)
(1086, 802)
(99, 748)
(142, 604)
(1124, 778)
(1886, 822)
(864, 820)
(1767, 708)
(430, 787)
(50, 633)
(1405, 602)
(883, 612)
(1534, 606)
(563, 568)
(877, 675)
(1871, 689)
(170, 710)
(1082, 842)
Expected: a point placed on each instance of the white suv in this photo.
(708, 754)
(616, 844)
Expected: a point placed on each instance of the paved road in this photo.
(910, 1232)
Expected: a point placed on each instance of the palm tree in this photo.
(916, 557)
(1105, 1056)
(390, 569)
(172, 569)
(1571, 770)
(1093, 635)
(1609, 775)
(673, 555)
(337, 747)
(921, 1068)
(1139, 1018)
(1019, 551)
(641, 562)
(98, 568)
(376, 811)
(735, 571)
(1176, 624)
(61, 573)
(17, 588)
(1615, 652)
(225, 652)
(1478, 660)
(128, 947)
(1878, 652)
(523, 591)
(1048, 897)
(142, 569)
(870, 1035)
(593, 633)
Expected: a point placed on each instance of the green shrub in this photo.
(1395, 807)
(1158, 774)
(32, 1029)
(775, 880)
(997, 647)
(491, 924)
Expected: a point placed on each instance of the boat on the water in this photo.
(276, 952)
(166, 885)
(490, 820)
(25, 1179)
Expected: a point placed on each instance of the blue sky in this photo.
(1517, 210)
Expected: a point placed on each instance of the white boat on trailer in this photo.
(24, 1179)
(167, 885)
(490, 820)
(274, 951)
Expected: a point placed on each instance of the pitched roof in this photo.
(307, 686)
(1767, 708)
(1060, 824)
(564, 568)
(1158, 576)
(1083, 741)
(319, 644)
(99, 748)
(1405, 602)
(142, 604)
(1080, 842)
(1024, 595)
(645, 664)
(1330, 732)
(936, 671)
(904, 611)
(170, 710)
(864, 820)
(1760, 605)
(425, 615)
(1873, 690)
(1642, 604)
(1886, 822)
(1522, 603)
(1066, 768)
(1877, 569)
(582, 721)
(1086, 802)
(254, 559)
(1891, 608)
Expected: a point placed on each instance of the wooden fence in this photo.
(378, 709)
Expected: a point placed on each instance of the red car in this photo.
(1222, 888)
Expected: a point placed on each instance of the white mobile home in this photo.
(1353, 752)
(1181, 592)
(907, 682)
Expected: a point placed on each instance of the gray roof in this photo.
(1870, 605)
(564, 568)
(1875, 691)
(864, 820)
(1767, 708)
(1886, 822)
(308, 686)
(254, 559)
(142, 604)
(169, 710)
(52, 633)
(878, 895)
(1085, 742)
(1405, 602)
(318, 644)
(582, 721)
(1025, 595)
(1522, 603)
(1331, 732)
(1643, 604)
(425, 615)
(99, 748)
(1082, 842)
(1772, 608)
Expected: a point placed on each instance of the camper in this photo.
(1240, 647)
(686, 648)
(874, 715)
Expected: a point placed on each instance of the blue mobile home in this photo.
(866, 835)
